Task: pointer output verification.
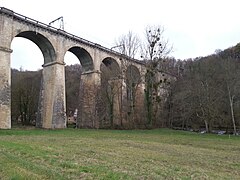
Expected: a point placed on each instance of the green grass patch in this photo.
(117, 154)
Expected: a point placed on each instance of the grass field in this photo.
(108, 154)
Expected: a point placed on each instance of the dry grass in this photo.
(107, 154)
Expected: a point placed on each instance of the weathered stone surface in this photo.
(5, 89)
(88, 115)
(39, 120)
(59, 107)
(53, 97)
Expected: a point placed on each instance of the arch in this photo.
(34, 81)
(42, 42)
(133, 74)
(26, 75)
(110, 67)
(28, 57)
(73, 71)
(84, 58)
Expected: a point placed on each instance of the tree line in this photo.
(206, 94)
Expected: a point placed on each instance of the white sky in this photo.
(194, 27)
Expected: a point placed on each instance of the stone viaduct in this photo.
(54, 43)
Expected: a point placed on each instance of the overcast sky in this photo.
(194, 27)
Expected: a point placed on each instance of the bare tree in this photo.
(25, 93)
(156, 46)
(154, 50)
(231, 84)
(128, 44)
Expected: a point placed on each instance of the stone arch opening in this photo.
(27, 57)
(42, 42)
(111, 90)
(84, 58)
(111, 67)
(82, 62)
(73, 71)
(26, 81)
(110, 71)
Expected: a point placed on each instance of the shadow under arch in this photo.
(84, 58)
(42, 42)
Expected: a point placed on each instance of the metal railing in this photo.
(36, 23)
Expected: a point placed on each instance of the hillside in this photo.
(206, 95)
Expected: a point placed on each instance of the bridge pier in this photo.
(89, 96)
(117, 92)
(52, 103)
(5, 88)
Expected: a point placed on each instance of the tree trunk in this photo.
(232, 111)
(183, 124)
(206, 126)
